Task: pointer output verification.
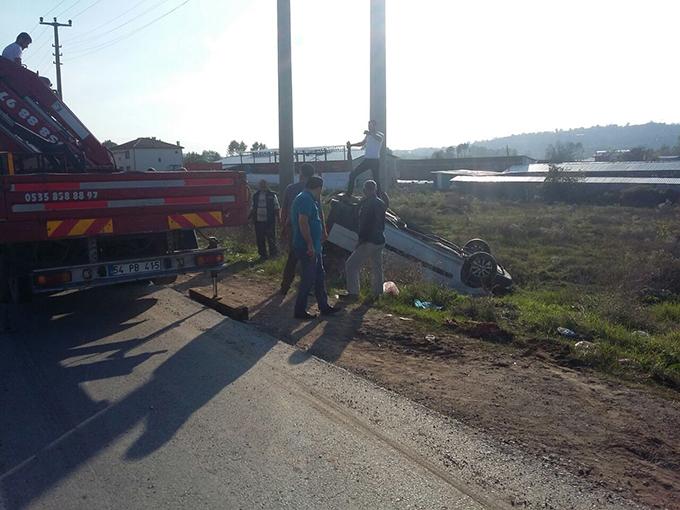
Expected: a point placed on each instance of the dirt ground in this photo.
(624, 438)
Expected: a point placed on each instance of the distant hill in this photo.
(652, 135)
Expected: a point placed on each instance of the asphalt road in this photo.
(135, 398)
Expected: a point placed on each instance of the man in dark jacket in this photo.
(371, 242)
(265, 213)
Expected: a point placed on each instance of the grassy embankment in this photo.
(609, 273)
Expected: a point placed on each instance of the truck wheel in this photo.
(477, 245)
(479, 270)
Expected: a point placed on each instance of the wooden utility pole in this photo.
(57, 53)
(378, 79)
(286, 161)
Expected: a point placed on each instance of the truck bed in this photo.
(41, 207)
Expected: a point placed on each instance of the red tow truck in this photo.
(69, 219)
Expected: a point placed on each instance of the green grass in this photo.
(609, 273)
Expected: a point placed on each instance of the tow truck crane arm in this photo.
(35, 121)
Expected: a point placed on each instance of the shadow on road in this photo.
(44, 384)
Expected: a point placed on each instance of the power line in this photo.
(109, 21)
(129, 34)
(55, 7)
(86, 8)
(69, 8)
(79, 41)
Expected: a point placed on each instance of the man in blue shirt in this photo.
(292, 191)
(307, 236)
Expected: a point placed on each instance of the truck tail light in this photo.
(53, 279)
(210, 259)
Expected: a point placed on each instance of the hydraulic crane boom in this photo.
(35, 122)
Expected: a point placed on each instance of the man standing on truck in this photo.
(307, 237)
(292, 191)
(371, 242)
(372, 144)
(265, 213)
(15, 50)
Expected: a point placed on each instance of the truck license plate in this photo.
(148, 266)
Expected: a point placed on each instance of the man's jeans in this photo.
(312, 274)
(365, 252)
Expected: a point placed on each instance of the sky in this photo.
(204, 72)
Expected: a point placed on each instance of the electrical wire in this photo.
(77, 42)
(68, 8)
(129, 34)
(86, 9)
(107, 22)
(54, 8)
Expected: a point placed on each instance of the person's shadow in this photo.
(70, 327)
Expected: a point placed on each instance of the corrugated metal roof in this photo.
(529, 179)
(600, 166)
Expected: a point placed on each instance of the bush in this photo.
(646, 196)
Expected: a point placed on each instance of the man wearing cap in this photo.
(307, 237)
(15, 50)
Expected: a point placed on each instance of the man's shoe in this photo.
(305, 317)
(331, 310)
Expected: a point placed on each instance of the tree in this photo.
(233, 147)
(462, 148)
(560, 185)
(203, 157)
(109, 144)
(193, 157)
(211, 156)
(561, 152)
(242, 147)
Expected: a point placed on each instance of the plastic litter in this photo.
(567, 332)
(640, 333)
(584, 345)
(405, 318)
(430, 338)
(426, 305)
(390, 288)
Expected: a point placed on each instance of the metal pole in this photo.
(57, 47)
(286, 163)
(378, 77)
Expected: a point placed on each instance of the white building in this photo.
(144, 153)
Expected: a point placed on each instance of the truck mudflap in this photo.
(111, 272)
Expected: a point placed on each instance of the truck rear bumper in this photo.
(129, 270)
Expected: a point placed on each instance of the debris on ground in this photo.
(390, 288)
(640, 333)
(584, 345)
(566, 332)
(430, 338)
(426, 305)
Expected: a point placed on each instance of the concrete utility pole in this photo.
(286, 162)
(378, 77)
(57, 53)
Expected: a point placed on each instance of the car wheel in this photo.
(479, 270)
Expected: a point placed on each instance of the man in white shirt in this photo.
(15, 50)
(372, 144)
